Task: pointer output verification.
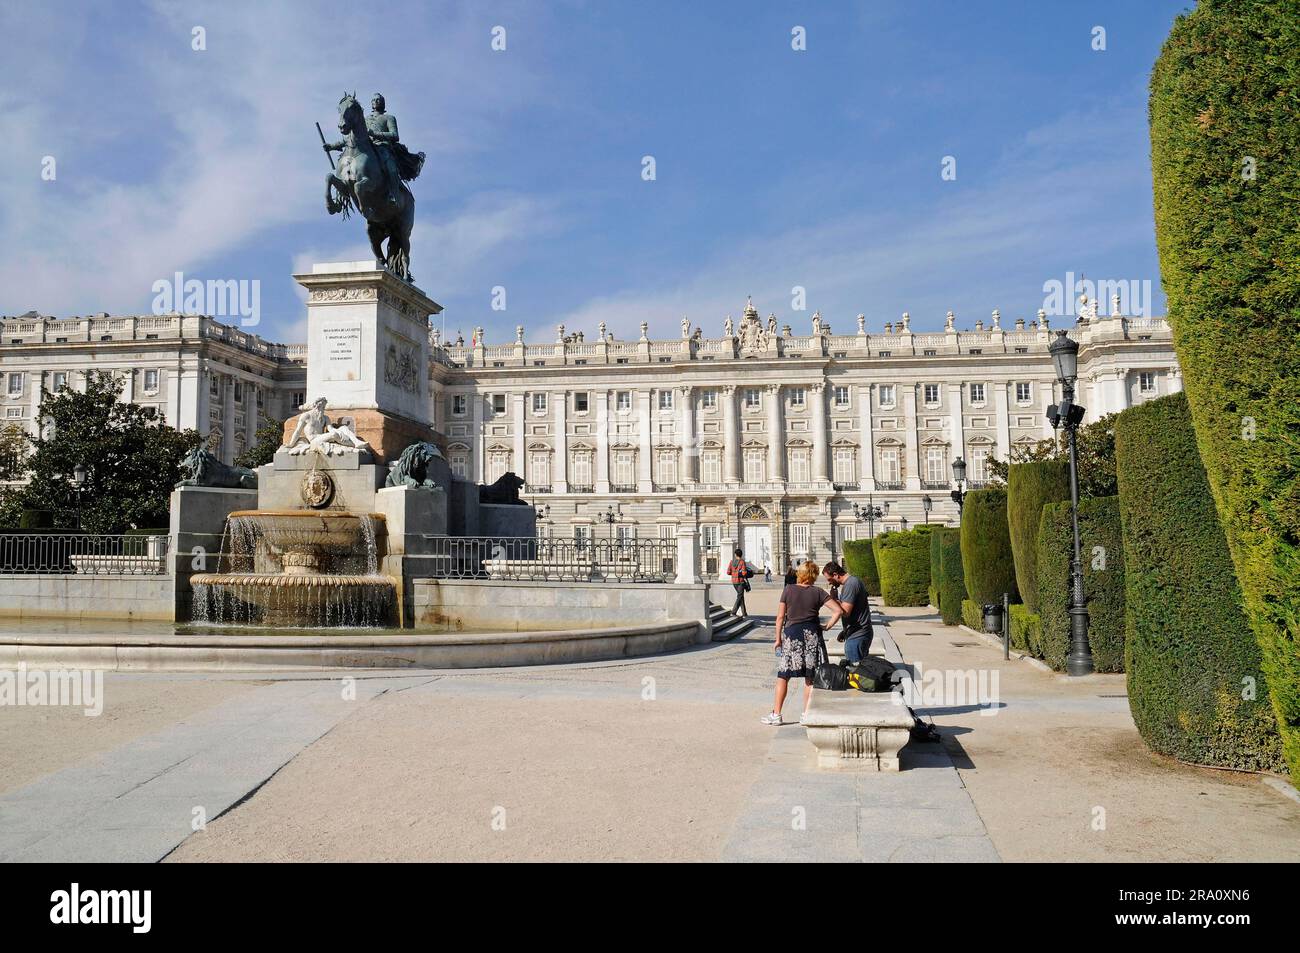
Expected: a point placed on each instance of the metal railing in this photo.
(526, 558)
(83, 553)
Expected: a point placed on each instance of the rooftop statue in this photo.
(374, 167)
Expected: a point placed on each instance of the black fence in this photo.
(83, 553)
(525, 558)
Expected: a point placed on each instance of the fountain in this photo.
(297, 568)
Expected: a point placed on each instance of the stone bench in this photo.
(853, 729)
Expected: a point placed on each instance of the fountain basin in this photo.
(315, 600)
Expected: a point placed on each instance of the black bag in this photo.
(831, 677)
(872, 674)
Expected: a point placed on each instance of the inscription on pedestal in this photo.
(342, 358)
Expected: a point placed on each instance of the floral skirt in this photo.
(802, 650)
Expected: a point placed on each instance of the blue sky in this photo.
(774, 168)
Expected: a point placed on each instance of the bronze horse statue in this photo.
(360, 183)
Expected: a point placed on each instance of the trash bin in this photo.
(993, 618)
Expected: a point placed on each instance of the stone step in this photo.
(729, 627)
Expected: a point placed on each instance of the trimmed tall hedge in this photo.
(1225, 134)
(904, 562)
(987, 564)
(1103, 581)
(1026, 630)
(860, 561)
(952, 585)
(1189, 650)
(1029, 487)
(935, 556)
(972, 614)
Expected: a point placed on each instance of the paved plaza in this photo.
(660, 758)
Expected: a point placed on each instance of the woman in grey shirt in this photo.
(799, 636)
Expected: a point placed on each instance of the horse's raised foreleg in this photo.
(334, 186)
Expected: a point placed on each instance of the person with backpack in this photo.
(740, 573)
(851, 596)
(799, 636)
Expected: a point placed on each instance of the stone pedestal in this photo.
(368, 353)
(355, 478)
(688, 559)
(198, 519)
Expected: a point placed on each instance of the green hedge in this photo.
(987, 564)
(935, 556)
(1103, 581)
(860, 561)
(1223, 93)
(1189, 649)
(904, 562)
(1029, 487)
(1026, 630)
(952, 587)
(972, 614)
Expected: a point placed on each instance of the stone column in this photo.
(602, 441)
(36, 381)
(1003, 451)
(228, 419)
(867, 453)
(560, 469)
(912, 467)
(688, 466)
(478, 437)
(818, 395)
(644, 475)
(1049, 397)
(775, 436)
(731, 435)
(1121, 389)
(688, 558)
(518, 462)
(957, 430)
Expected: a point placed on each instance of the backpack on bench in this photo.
(872, 674)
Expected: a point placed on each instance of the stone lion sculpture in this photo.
(201, 467)
(504, 490)
(412, 467)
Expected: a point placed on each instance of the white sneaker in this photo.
(771, 718)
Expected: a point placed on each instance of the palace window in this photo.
(539, 469)
(890, 471)
(755, 457)
(498, 465)
(931, 393)
(665, 400)
(1147, 382)
(60, 380)
(979, 461)
(15, 384)
(799, 536)
(976, 350)
(1024, 392)
(798, 397)
(711, 466)
(582, 536)
(929, 352)
(581, 402)
(624, 468)
(668, 468)
(841, 396)
(977, 393)
(459, 464)
(151, 381)
(844, 465)
(498, 405)
(539, 403)
(710, 533)
(936, 465)
(239, 392)
(709, 400)
(623, 401)
(753, 398)
(886, 395)
(14, 412)
(581, 467)
(800, 471)
(458, 405)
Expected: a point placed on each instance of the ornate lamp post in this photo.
(903, 521)
(79, 485)
(959, 478)
(1065, 355)
(868, 514)
(926, 503)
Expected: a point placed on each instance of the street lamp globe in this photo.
(79, 474)
(959, 470)
(1065, 355)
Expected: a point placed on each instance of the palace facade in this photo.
(777, 442)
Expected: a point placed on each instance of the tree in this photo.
(130, 457)
(1096, 449)
(270, 434)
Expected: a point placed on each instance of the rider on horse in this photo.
(400, 164)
